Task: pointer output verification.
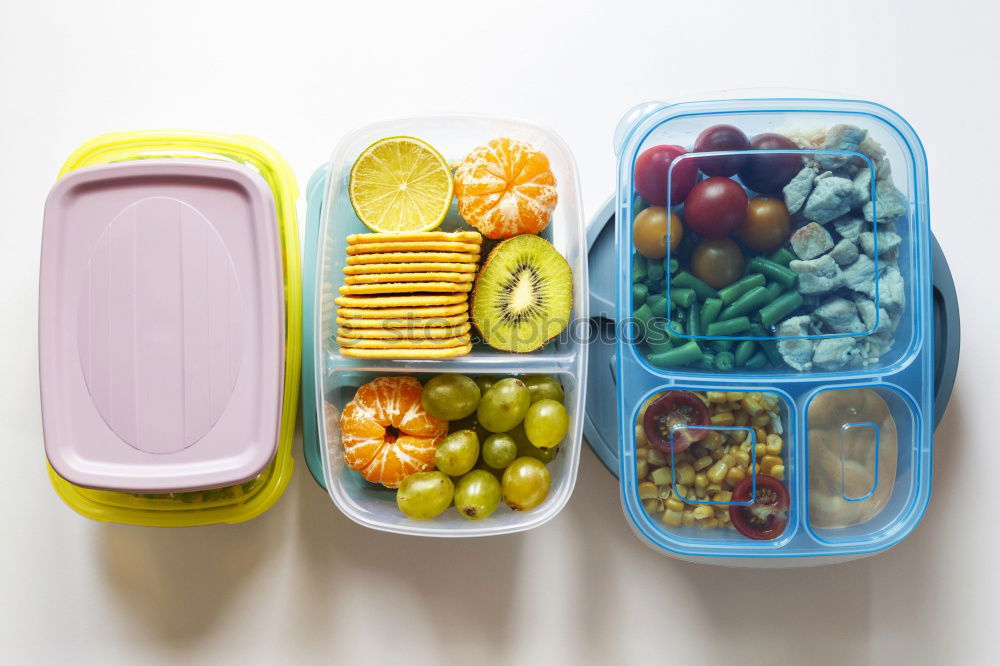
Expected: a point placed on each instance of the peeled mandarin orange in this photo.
(506, 188)
(387, 434)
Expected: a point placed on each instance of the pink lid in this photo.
(161, 326)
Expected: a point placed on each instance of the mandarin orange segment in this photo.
(387, 434)
(506, 188)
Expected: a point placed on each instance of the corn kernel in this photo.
(729, 459)
(657, 458)
(702, 462)
(734, 476)
(700, 493)
(672, 518)
(661, 476)
(761, 420)
(700, 480)
(724, 517)
(674, 504)
(651, 506)
(742, 458)
(640, 435)
(778, 472)
(760, 450)
(708, 523)
(682, 492)
(703, 511)
(648, 490)
(767, 462)
(742, 419)
(685, 474)
(688, 518)
(713, 487)
(760, 433)
(716, 396)
(774, 444)
(734, 396)
(717, 454)
(642, 469)
(723, 419)
(722, 496)
(717, 472)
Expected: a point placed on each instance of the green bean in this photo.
(710, 311)
(783, 305)
(757, 361)
(724, 361)
(728, 327)
(694, 320)
(774, 271)
(660, 346)
(749, 302)
(682, 297)
(638, 204)
(642, 317)
(723, 345)
(707, 361)
(639, 268)
(740, 287)
(655, 270)
(744, 351)
(639, 293)
(685, 279)
(775, 289)
(689, 352)
(782, 256)
(674, 266)
(658, 332)
(770, 347)
(657, 305)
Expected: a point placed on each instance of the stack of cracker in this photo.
(406, 295)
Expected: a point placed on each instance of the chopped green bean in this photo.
(639, 268)
(740, 287)
(674, 266)
(689, 352)
(744, 351)
(642, 316)
(757, 361)
(782, 256)
(749, 302)
(775, 289)
(682, 297)
(655, 270)
(685, 279)
(639, 293)
(728, 327)
(723, 345)
(694, 320)
(777, 309)
(710, 311)
(657, 305)
(774, 271)
(770, 347)
(660, 346)
(638, 204)
(724, 361)
(707, 360)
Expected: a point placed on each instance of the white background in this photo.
(304, 583)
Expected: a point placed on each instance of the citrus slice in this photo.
(401, 184)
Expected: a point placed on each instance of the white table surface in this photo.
(304, 582)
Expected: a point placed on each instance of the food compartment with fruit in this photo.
(452, 268)
(771, 242)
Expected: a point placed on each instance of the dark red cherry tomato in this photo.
(675, 408)
(652, 169)
(768, 173)
(718, 138)
(767, 516)
(716, 207)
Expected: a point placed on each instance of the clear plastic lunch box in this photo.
(903, 377)
(330, 380)
(194, 162)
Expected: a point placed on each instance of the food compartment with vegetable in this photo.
(774, 262)
(771, 242)
(452, 260)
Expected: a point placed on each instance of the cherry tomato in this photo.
(652, 169)
(675, 408)
(715, 207)
(717, 262)
(649, 232)
(719, 138)
(767, 516)
(766, 226)
(767, 174)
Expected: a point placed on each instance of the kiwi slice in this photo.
(523, 294)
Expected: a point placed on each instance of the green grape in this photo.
(450, 397)
(526, 448)
(504, 405)
(543, 386)
(546, 423)
(485, 382)
(525, 484)
(499, 450)
(425, 495)
(469, 423)
(457, 453)
(477, 494)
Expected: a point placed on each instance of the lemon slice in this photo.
(401, 184)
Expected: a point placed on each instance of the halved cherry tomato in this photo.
(675, 408)
(767, 516)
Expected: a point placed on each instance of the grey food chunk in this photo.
(867, 310)
(840, 315)
(887, 242)
(797, 353)
(830, 198)
(797, 191)
(834, 353)
(811, 241)
(844, 253)
(876, 345)
(840, 137)
(891, 290)
(860, 276)
(863, 187)
(871, 149)
(849, 227)
(889, 202)
(818, 276)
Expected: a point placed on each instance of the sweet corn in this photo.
(717, 454)
(688, 518)
(761, 419)
(700, 480)
(723, 419)
(760, 450)
(702, 462)
(716, 397)
(652, 506)
(778, 472)
(700, 493)
(703, 511)
(657, 458)
(767, 462)
(713, 487)
(711, 440)
(736, 396)
(760, 433)
(672, 518)
(774, 444)
(685, 474)
(742, 458)
(640, 435)
(742, 419)
(734, 476)
(642, 469)
(674, 504)
(682, 492)
(648, 490)
(722, 496)
(717, 472)
(708, 523)
(661, 476)
(724, 518)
